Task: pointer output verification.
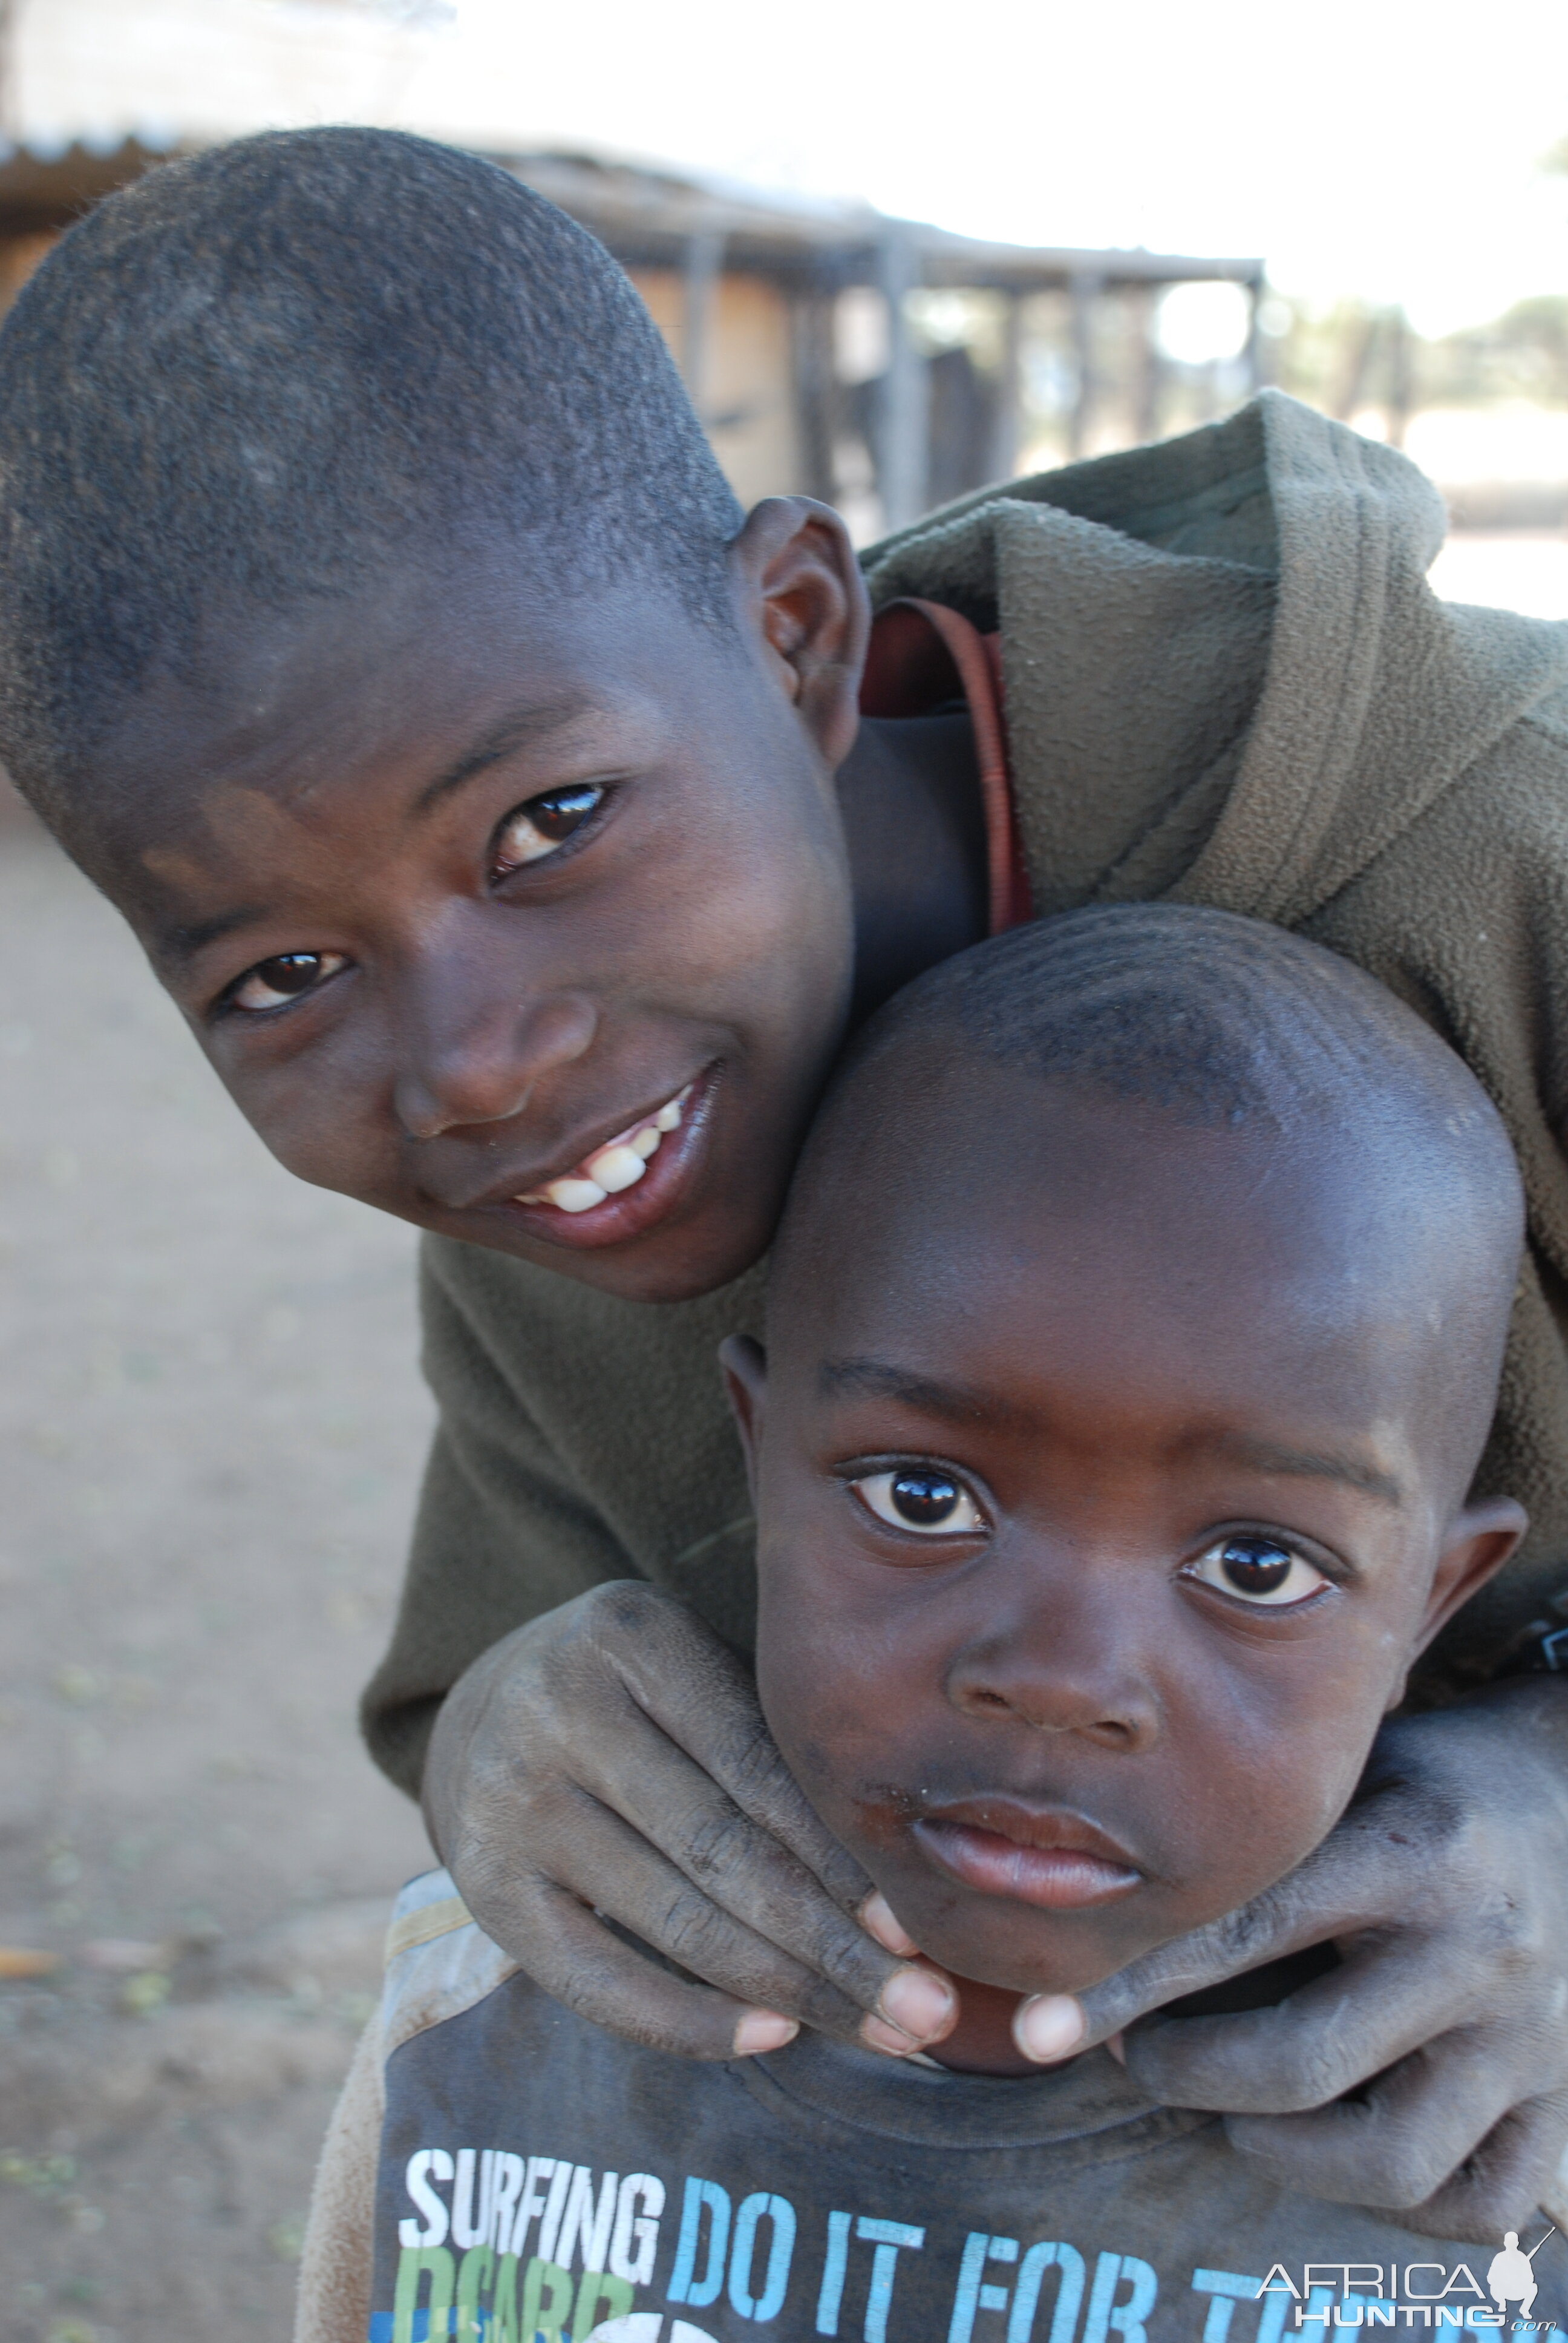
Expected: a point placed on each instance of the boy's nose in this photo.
(486, 1068)
(1075, 1683)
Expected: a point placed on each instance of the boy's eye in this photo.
(921, 1498)
(283, 978)
(1258, 1570)
(545, 823)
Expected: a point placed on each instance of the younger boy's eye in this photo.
(921, 1498)
(283, 978)
(1258, 1570)
(545, 823)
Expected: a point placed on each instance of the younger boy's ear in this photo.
(801, 587)
(745, 1365)
(1480, 1540)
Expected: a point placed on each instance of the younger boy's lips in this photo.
(1044, 1856)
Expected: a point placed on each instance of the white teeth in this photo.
(572, 1195)
(615, 1168)
(619, 1164)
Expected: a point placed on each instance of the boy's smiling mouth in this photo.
(619, 1163)
(1034, 1854)
(625, 1183)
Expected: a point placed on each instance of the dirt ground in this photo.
(213, 1428)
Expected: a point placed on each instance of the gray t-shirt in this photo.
(539, 2177)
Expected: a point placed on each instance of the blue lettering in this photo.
(887, 2237)
(770, 2301)
(832, 2289)
(1227, 2288)
(972, 2295)
(1026, 2295)
(1126, 2317)
(685, 2286)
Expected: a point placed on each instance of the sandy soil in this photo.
(213, 1428)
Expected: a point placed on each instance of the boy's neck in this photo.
(981, 2042)
(913, 817)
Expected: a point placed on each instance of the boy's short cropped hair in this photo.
(475, 363)
(1201, 1014)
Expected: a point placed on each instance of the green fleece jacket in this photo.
(1227, 682)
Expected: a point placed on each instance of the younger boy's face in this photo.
(526, 919)
(1100, 1514)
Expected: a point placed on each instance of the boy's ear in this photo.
(745, 1365)
(1480, 1540)
(800, 587)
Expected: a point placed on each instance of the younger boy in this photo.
(1134, 1329)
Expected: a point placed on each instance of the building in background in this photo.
(879, 364)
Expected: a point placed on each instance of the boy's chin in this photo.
(1025, 1951)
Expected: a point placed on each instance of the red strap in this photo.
(920, 654)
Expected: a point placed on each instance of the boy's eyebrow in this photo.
(183, 943)
(1305, 1464)
(964, 1404)
(535, 720)
(956, 1402)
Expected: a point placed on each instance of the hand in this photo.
(1445, 1890)
(610, 1759)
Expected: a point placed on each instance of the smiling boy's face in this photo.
(1102, 1506)
(526, 918)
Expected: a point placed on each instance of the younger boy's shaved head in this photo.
(1205, 1020)
(1211, 1018)
(255, 375)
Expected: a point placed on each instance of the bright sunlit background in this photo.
(1401, 176)
(1372, 151)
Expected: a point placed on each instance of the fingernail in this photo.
(763, 2029)
(877, 1919)
(916, 2002)
(878, 2034)
(1047, 2027)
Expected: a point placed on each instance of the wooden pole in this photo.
(1145, 304)
(1400, 371)
(1085, 293)
(902, 456)
(1258, 371)
(704, 260)
(1005, 438)
(816, 392)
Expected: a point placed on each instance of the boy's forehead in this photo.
(416, 682)
(1027, 1227)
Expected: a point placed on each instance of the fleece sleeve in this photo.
(502, 1534)
(333, 2304)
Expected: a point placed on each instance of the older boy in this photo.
(377, 629)
(1133, 1332)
